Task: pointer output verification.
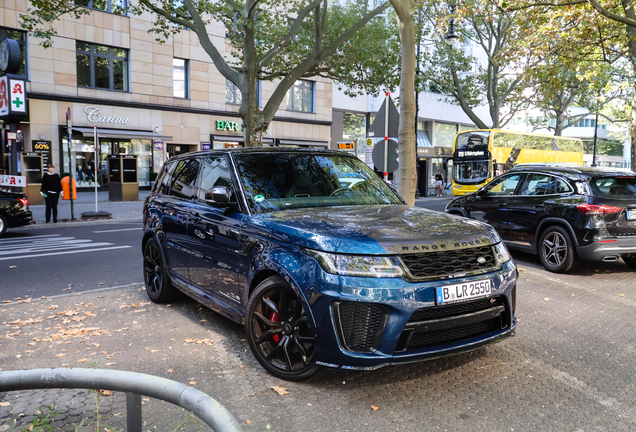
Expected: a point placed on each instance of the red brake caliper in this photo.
(274, 318)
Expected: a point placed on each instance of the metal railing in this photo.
(133, 384)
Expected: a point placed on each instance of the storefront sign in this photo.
(346, 146)
(10, 180)
(4, 96)
(158, 145)
(206, 145)
(95, 116)
(227, 126)
(470, 153)
(43, 147)
(12, 135)
(18, 96)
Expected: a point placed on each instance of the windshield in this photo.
(472, 144)
(471, 172)
(278, 181)
(614, 187)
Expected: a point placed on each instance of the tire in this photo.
(158, 284)
(556, 250)
(630, 261)
(3, 225)
(279, 333)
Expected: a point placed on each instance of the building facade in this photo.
(150, 99)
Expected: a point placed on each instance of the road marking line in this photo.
(8, 240)
(117, 230)
(63, 253)
(76, 245)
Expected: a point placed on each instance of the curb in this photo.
(67, 223)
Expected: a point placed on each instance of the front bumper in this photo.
(607, 248)
(399, 300)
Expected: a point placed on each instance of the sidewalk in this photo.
(85, 202)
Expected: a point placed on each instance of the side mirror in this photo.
(219, 196)
(481, 193)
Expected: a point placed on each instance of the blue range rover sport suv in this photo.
(323, 263)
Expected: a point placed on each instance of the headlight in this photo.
(357, 265)
(501, 253)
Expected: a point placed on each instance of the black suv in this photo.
(561, 214)
(13, 211)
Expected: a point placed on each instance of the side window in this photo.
(185, 178)
(562, 187)
(215, 172)
(504, 186)
(162, 184)
(537, 184)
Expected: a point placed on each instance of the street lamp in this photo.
(451, 37)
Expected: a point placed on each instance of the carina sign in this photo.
(95, 116)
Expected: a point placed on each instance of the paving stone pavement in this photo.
(571, 366)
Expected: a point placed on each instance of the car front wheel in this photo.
(279, 332)
(556, 250)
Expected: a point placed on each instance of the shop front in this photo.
(110, 142)
(429, 161)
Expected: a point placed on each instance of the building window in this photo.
(118, 7)
(180, 77)
(20, 36)
(301, 96)
(232, 93)
(103, 67)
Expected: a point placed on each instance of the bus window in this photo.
(474, 171)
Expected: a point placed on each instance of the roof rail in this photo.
(548, 164)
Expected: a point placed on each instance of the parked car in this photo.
(562, 214)
(321, 274)
(14, 211)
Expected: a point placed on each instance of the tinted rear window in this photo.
(614, 187)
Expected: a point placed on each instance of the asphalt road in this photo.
(51, 260)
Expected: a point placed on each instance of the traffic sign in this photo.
(378, 156)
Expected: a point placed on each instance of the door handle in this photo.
(538, 206)
(503, 205)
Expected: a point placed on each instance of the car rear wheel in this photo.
(158, 285)
(279, 332)
(3, 225)
(630, 261)
(556, 250)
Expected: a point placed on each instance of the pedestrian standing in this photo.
(51, 190)
(439, 182)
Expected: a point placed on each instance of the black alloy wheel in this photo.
(279, 332)
(556, 250)
(158, 285)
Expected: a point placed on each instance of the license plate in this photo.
(631, 215)
(462, 292)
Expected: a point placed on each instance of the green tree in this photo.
(277, 40)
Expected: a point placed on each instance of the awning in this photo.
(237, 139)
(422, 139)
(303, 143)
(120, 133)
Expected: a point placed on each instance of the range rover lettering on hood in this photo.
(444, 246)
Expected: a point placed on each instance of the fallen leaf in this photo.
(82, 360)
(110, 364)
(280, 390)
(546, 298)
(133, 305)
(622, 295)
(4, 404)
(106, 392)
(248, 421)
(13, 266)
(60, 355)
(169, 371)
(374, 408)
(193, 382)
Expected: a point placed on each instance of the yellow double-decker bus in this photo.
(480, 155)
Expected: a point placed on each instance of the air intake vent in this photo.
(446, 263)
(361, 325)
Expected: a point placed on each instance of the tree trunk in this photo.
(406, 134)
(560, 119)
(631, 31)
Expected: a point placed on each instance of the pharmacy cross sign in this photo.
(18, 97)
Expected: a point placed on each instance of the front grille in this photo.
(426, 339)
(361, 324)
(451, 310)
(446, 263)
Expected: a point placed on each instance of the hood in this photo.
(387, 229)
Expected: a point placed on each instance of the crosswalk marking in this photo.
(36, 246)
